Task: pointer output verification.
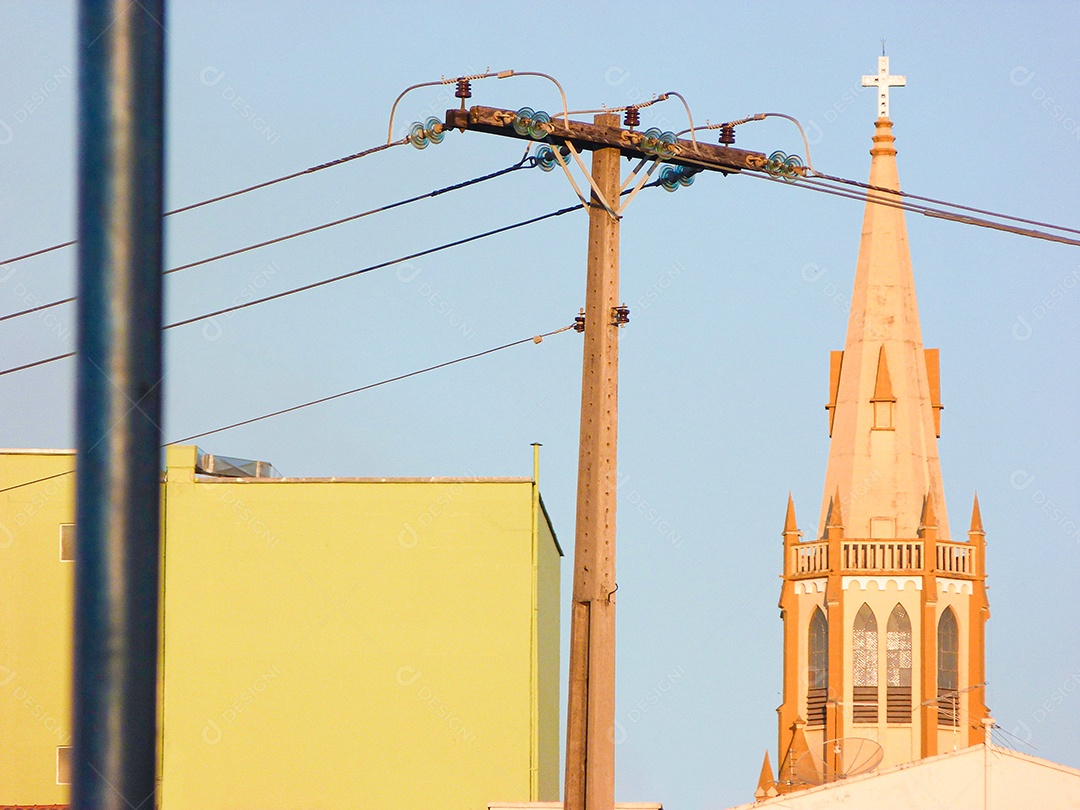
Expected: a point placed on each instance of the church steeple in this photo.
(883, 610)
(883, 456)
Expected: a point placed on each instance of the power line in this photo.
(942, 202)
(368, 269)
(231, 194)
(1020, 739)
(283, 178)
(938, 213)
(37, 481)
(693, 154)
(320, 400)
(324, 282)
(37, 363)
(523, 163)
(878, 198)
(534, 339)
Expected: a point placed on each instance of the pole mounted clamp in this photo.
(579, 321)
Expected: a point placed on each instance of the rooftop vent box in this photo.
(226, 467)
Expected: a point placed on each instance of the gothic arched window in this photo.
(864, 664)
(948, 668)
(817, 669)
(898, 666)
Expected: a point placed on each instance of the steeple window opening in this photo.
(948, 678)
(817, 669)
(898, 667)
(864, 650)
(884, 415)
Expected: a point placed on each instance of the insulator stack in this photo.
(534, 123)
(784, 165)
(671, 177)
(429, 132)
(546, 159)
(660, 144)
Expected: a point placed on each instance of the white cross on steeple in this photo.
(883, 81)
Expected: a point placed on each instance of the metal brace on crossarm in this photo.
(615, 212)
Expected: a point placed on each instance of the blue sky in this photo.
(738, 289)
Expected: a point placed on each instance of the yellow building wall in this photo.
(550, 707)
(36, 593)
(356, 641)
(385, 644)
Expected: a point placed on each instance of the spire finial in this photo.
(883, 81)
(883, 46)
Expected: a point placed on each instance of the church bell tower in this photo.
(883, 609)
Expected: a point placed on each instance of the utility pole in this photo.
(590, 725)
(590, 728)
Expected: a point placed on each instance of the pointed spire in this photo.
(884, 361)
(883, 385)
(766, 785)
(791, 527)
(797, 746)
(835, 518)
(976, 518)
(928, 525)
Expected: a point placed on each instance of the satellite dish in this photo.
(838, 759)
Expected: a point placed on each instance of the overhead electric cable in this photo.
(1015, 737)
(37, 363)
(283, 178)
(943, 202)
(237, 193)
(521, 164)
(883, 196)
(320, 400)
(878, 199)
(37, 481)
(324, 282)
(534, 339)
(368, 269)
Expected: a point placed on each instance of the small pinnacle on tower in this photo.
(835, 519)
(928, 525)
(791, 527)
(976, 518)
(766, 781)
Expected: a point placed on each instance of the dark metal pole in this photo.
(121, 139)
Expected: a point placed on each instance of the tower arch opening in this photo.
(864, 652)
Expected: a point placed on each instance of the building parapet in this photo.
(812, 559)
